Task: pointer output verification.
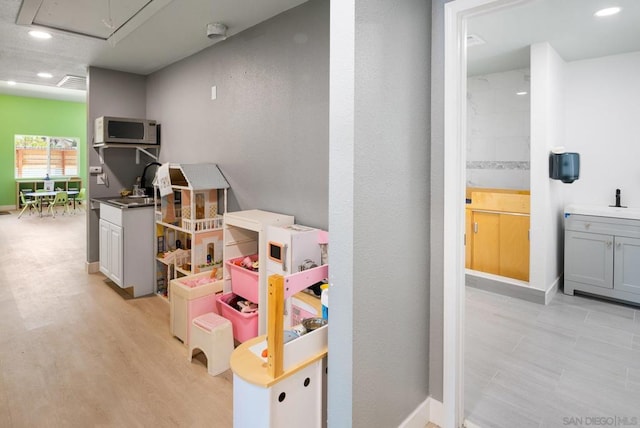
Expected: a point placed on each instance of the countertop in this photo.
(125, 203)
(603, 211)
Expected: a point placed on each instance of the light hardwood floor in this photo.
(74, 352)
(560, 365)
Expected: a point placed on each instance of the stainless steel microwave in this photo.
(125, 130)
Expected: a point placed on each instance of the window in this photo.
(38, 156)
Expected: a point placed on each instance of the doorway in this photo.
(549, 225)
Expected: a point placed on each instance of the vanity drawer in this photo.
(111, 214)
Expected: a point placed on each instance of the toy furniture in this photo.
(188, 219)
(245, 236)
(288, 387)
(189, 297)
(211, 334)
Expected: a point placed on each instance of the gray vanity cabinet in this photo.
(627, 265)
(602, 256)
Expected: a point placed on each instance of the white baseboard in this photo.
(8, 208)
(429, 410)
(93, 267)
(551, 292)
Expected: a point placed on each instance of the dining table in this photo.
(41, 195)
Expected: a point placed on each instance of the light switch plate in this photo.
(95, 170)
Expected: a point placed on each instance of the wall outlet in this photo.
(214, 92)
(100, 178)
(95, 170)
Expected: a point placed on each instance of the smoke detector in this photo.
(217, 31)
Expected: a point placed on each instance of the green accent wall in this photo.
(37, 116)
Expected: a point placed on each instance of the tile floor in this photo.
(560, 365)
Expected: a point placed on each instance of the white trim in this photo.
(430, 410)
(8, 208)
(455, 15)
(92, 267)
(436, 412)
(551, 292)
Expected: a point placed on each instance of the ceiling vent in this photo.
(474, 40)
(73, 82)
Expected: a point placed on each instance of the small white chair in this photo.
(213, 335)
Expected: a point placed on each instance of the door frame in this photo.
(456, 14)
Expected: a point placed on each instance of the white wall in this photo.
(498, 129)
(603, 125)
(547, 131)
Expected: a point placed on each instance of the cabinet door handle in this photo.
(609, 243)
(475, 227)
(618, 244)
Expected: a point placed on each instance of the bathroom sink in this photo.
(604, 211)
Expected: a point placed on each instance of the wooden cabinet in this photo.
(601, 256)
(497, 234)
(27, 185)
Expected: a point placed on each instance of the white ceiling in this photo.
(136, 36)
(568, 25)
(143, 36)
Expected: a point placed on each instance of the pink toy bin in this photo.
(245, 326)
(244, 282)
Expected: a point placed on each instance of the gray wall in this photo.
(437, 201)
(111, 93)
(269, 132)
(379, 211)
(268, 128)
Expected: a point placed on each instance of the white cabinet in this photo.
(602, 256)
(111, 251)
(126, 247)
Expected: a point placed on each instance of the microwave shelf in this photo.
(139, 148)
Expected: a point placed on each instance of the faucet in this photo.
(148, 190)
(617, 198)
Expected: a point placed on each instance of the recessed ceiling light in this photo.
(11, 82)
(607, 11)
(522, 93)
(39, 34)
(45, 75)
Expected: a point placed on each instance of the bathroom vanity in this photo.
(602, 251)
